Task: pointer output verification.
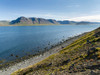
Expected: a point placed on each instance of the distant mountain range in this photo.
(42, 21)
(33, 20)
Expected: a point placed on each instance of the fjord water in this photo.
(25, 40)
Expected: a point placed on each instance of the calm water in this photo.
(24, 40)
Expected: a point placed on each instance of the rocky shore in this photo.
(81, 57)
(37, 58)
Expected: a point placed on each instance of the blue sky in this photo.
(86, 10)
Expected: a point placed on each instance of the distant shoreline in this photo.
(36, 24)
(24, 63)
(31, 25)
(46, 24)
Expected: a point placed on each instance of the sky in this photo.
(76, 10)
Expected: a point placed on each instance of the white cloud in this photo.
(64, 16)
(93, 18)
(47, 16)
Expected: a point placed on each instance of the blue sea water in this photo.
(23, 40)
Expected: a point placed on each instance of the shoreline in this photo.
(38, 58)
(45, 25)
(32, 25)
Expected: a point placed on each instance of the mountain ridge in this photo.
(41, 21)
(33, 20)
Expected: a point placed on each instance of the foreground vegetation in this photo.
(83, 55)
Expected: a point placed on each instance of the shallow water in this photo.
(25, 40)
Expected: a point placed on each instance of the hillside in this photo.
(82, 57)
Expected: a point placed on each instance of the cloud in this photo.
(47, 16)
(64, 16)
(95, 18)
(96, 12)
(91, 18)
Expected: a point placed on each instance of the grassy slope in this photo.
(83, 54)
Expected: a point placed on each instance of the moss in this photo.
(98, 48)
(17, 72)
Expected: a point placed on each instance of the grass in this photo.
(76, 57)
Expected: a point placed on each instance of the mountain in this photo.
(77, 23)
(41, 21)
(86, 22)
(53, 21)
(21, 20)
(83, 22)
(33, 20)
(67, 22)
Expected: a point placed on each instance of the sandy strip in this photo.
(36, 59)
